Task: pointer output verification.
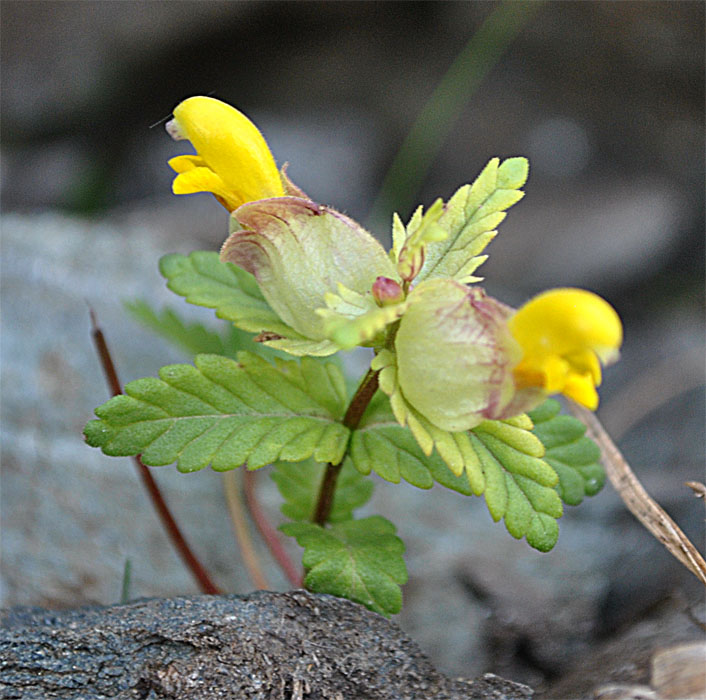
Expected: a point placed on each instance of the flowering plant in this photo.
(458, 385)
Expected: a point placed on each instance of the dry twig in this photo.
(638, 501)
(242, 531)
(698, 488)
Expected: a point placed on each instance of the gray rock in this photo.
(262, 646)
(624, 660)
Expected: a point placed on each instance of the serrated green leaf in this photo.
(470, 220)
(202, 279)
(299, 485)
(518, 462)
(574, 457)
(518, 484)
(382, 445)
(226, 414)
(358, 559)
(518, 438)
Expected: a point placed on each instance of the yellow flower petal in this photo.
(182, 164)
(580, 388)
(587, 362)
(568, 321)
(204, 180)
(229, 145)
(563, 334)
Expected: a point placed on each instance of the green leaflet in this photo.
(358, 559)
(202, 279)
(519, 487)
(574, 457)
(381, 445)
(227, 413)
(525, 470)
(299, 486)
(470, 219)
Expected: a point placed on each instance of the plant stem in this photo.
(354, 413)
(178, 540)
(268, 533)
(242, 531)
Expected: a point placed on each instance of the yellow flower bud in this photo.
(565, 334)
(233, 160)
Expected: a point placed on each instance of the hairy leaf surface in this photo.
(227, 413)
(519, 483)
(358, 559)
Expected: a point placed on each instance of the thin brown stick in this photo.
(638, 501)
(242, 531)
(698, 488)
(268, 533)
(175, 535)
(356, 409)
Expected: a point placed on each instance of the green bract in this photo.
(455, 355)
(300, 252)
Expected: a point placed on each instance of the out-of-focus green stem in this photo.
(429, 131)
(127, 580)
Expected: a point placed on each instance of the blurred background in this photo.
(606, 99)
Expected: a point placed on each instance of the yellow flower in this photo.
(565, 335)
(233, 160)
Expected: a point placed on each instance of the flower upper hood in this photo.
(232, 158)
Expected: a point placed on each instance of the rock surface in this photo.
(648, 657)
(263, 646)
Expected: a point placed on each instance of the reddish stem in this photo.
(203, 579)
(268, 533)
(356, 409)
